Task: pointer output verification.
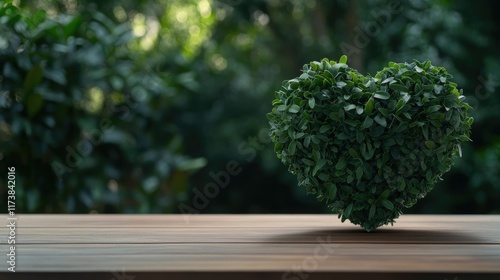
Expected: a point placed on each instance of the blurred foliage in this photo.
(202, 75)
(81, 118)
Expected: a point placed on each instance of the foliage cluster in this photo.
(76, 102)
(370, 146)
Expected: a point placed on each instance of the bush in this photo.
(369, 146)
(78, 108)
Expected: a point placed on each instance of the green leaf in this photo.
(349, 107)
(387, 80)
(323, 176)
(359, 172)
(369, 105)
(432, 109)
(382, 95)
(384, 112)
(430, 144)
(308, 162)
(312, 102)
(334, 116)
(428, 175)
(367, 123)
(387, 204)
(341, 164)
(292, 147)
(353, 153)
(400, 104)
(465, 138)
(318, 166)
(397, 87)
(402, 186)
(281, 108)
(71, 26)
(343, 59)
(373, 209)
(354, 77)
(324, 128)
(438, 89)
(294, 109)
(359, 110)
(359, 136)
(33, 77)
(34, 103)
(348, 210)
(385, 194)
(332, 192)
(307, 141)
(381, 120)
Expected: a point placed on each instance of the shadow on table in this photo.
(383, 235)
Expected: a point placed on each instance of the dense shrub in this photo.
(83, 120)
(369, 146)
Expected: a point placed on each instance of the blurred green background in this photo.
(133, 106)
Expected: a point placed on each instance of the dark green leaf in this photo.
(369, 105)
(348, 210)
(341, 164)
(359, 172)
(397, 87)
(430, 144)
(381, 95)
(373, 209)
(432, 109)
(33, 77)
(332, 192)
(380, 120)
(318, 166)
(292, 147)
(387, 204)
(34, 103)
(367, 123)
(353, 153)
(308, 162)
(324, 128)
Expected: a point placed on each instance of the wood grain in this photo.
(353, 235)
(223, 220)
(253, 247)
(265, 257)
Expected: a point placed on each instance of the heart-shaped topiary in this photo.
(369, 146)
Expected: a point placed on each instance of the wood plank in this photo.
(246, 275)
(253, 247)
(353, 235)
(259, 257)
(446, 229)
(241, 220)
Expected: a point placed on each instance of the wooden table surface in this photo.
(298, 247)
